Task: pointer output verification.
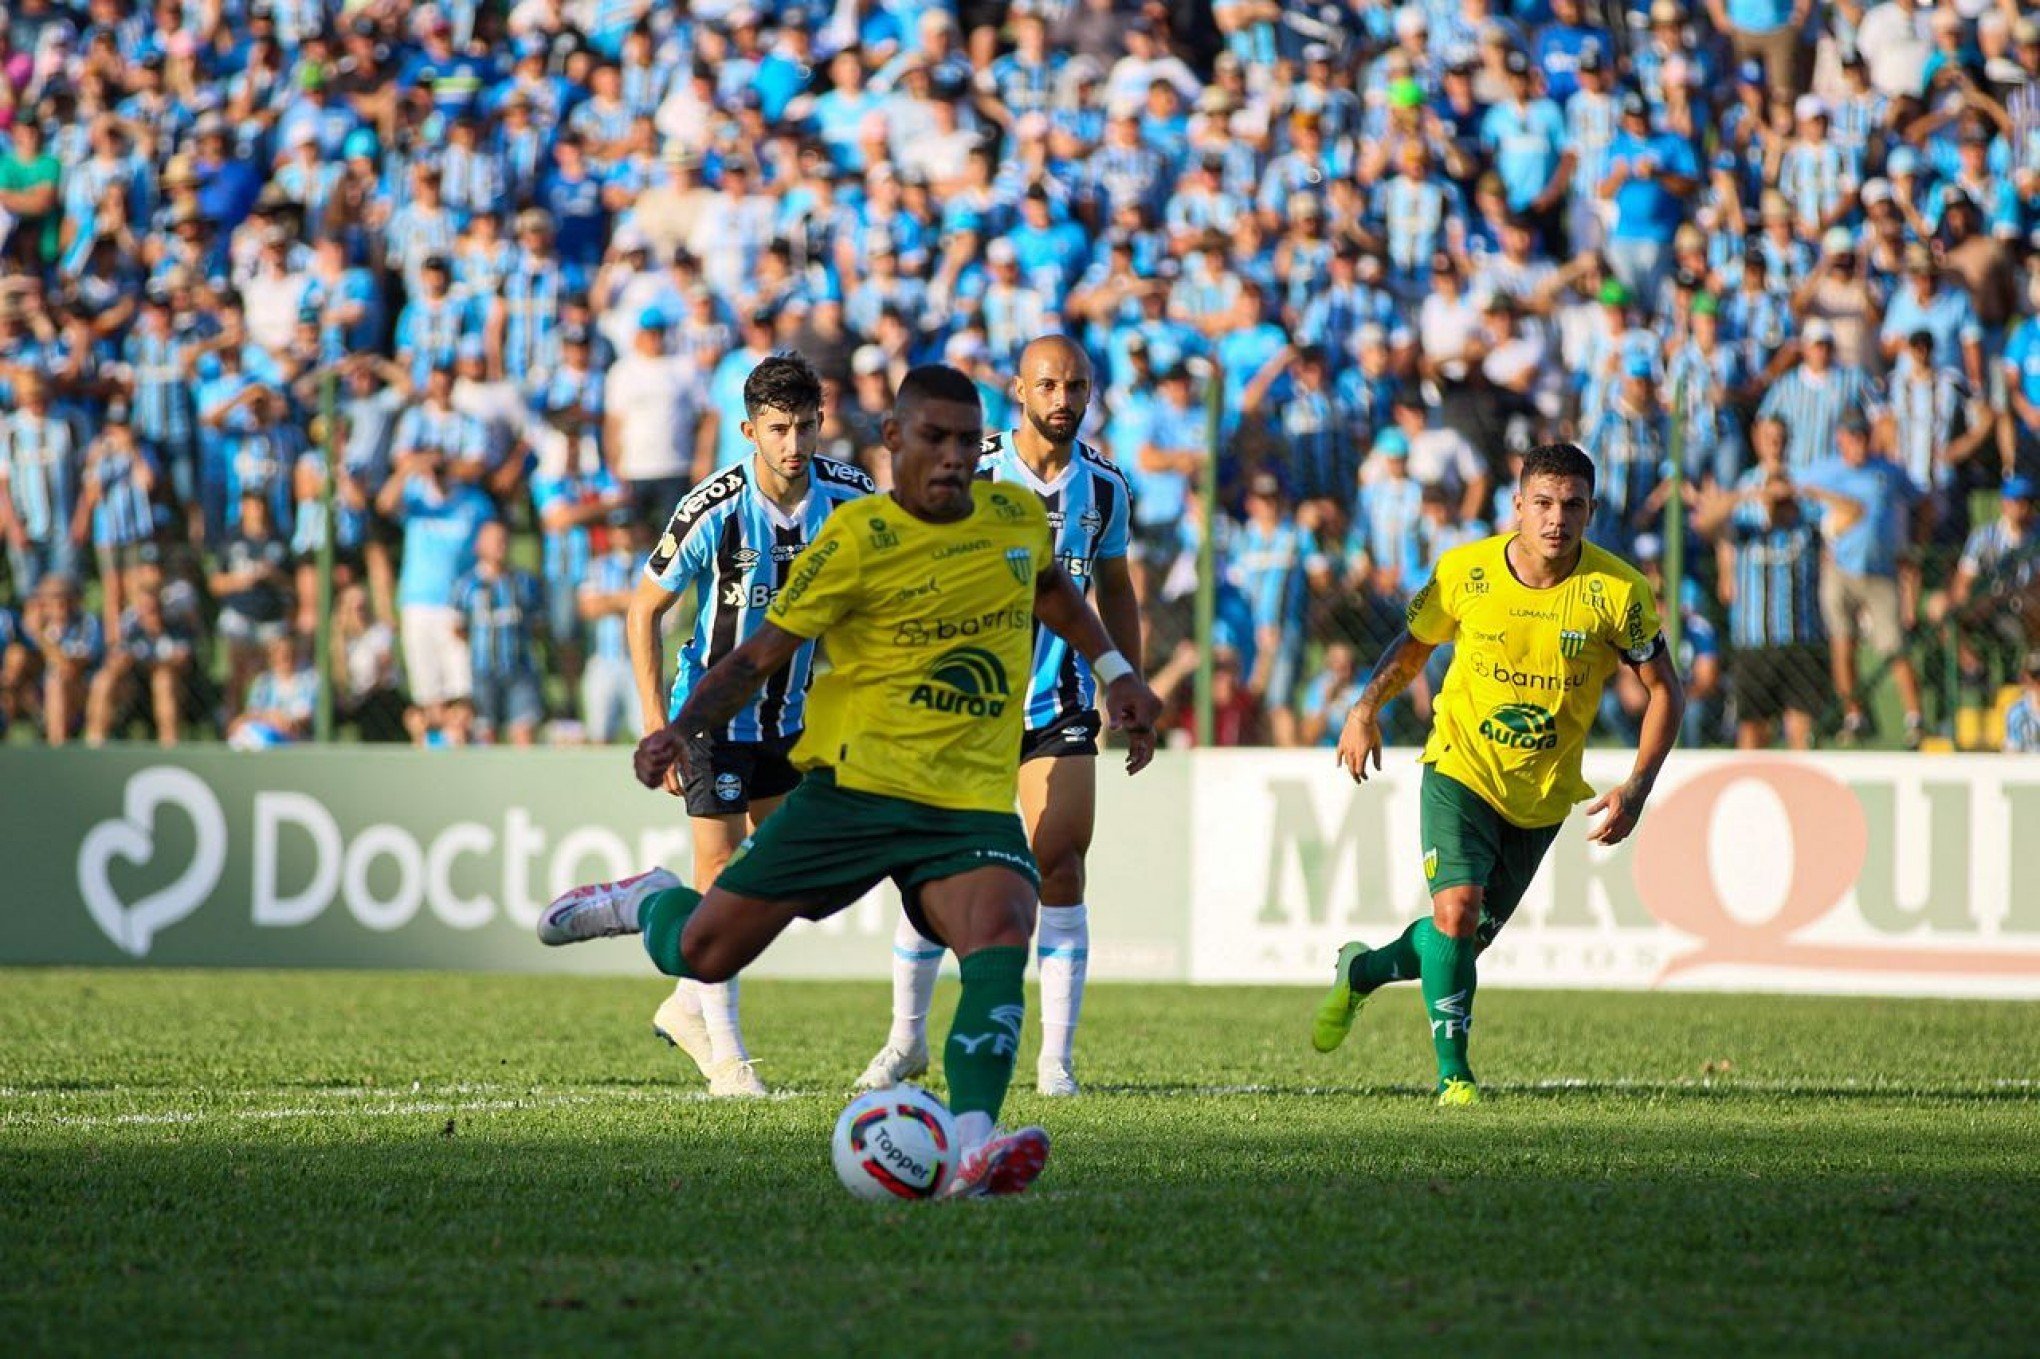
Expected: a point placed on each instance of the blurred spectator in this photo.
(1994, 595)
(1875, 507)
(281, 701)
(659, 436)
(1698, 658)
(114, 508)
(1770, 581)
(1476, 226)
(608, 688)
(440, 520)
(500, 612)
(38, 460)
(2022, 719)
(149, 669)
(71, 643)
(365, 674)
(252, 586)
(1268, 556)
(1329, 696)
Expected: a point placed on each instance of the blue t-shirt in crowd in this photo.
(1163, 497)
(1758, 16)
(1644, 209)
(2022, 356)
(1527, 143)
(439, 541)
(1870, 546)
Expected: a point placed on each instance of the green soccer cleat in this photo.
(1334, 1019)
(1455, 1093)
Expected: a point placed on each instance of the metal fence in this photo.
(264, 639)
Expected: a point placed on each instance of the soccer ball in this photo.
(895, 1144)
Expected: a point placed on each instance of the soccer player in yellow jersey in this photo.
(1539, 619)
(927, 598)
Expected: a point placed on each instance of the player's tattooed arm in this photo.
(1360, 741)
(1664, 707)
(719, 696)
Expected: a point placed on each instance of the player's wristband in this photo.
(1110, 667)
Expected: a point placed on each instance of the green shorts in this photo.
(827, 846)
(1467, 843)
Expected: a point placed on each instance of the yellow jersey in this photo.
(1528, 668)
(929, 630)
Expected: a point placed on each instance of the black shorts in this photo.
(724, 776)
(1071, 734)
(1155, 544)
(1770, 680)
(976, 14)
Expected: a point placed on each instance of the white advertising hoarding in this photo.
(1899, 875)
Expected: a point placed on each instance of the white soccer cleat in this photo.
(735, 1079)
(684, 1029)
(1001, 1165)
(1055, 1079)
(894, 1065)
(601, 909)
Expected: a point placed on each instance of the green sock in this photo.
(1448, 976)
(1390, 962)
(663, 918)
(984, 1038)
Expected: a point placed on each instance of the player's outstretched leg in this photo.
(603, 910)
(917, 962)
(987, 914)
(1359, 972)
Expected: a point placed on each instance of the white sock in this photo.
(1062, 944)
(972, 1129)
(685, 993)
(719, 1011)
(916, 962)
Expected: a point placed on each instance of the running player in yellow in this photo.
(1539, 619)
(928, 598)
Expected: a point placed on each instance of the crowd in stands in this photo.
(514, 260)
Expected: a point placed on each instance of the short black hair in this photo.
(937, 382)
(1558, 460)
(783, 381)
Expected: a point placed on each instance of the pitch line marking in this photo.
(535, 1099)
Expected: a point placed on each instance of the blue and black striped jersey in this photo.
(734, 549)
(1089, 504)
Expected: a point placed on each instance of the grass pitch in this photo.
(199, 1163)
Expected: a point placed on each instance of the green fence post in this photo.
(322, 638)
(1207, 548)
(1675, 527)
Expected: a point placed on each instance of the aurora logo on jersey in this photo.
(1571, 644)
(968, 680)
(1521, 726)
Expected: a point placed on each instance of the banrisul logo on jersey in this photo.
(968, 680)
(1521, 726)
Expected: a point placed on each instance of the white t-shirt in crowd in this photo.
(658, 402)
